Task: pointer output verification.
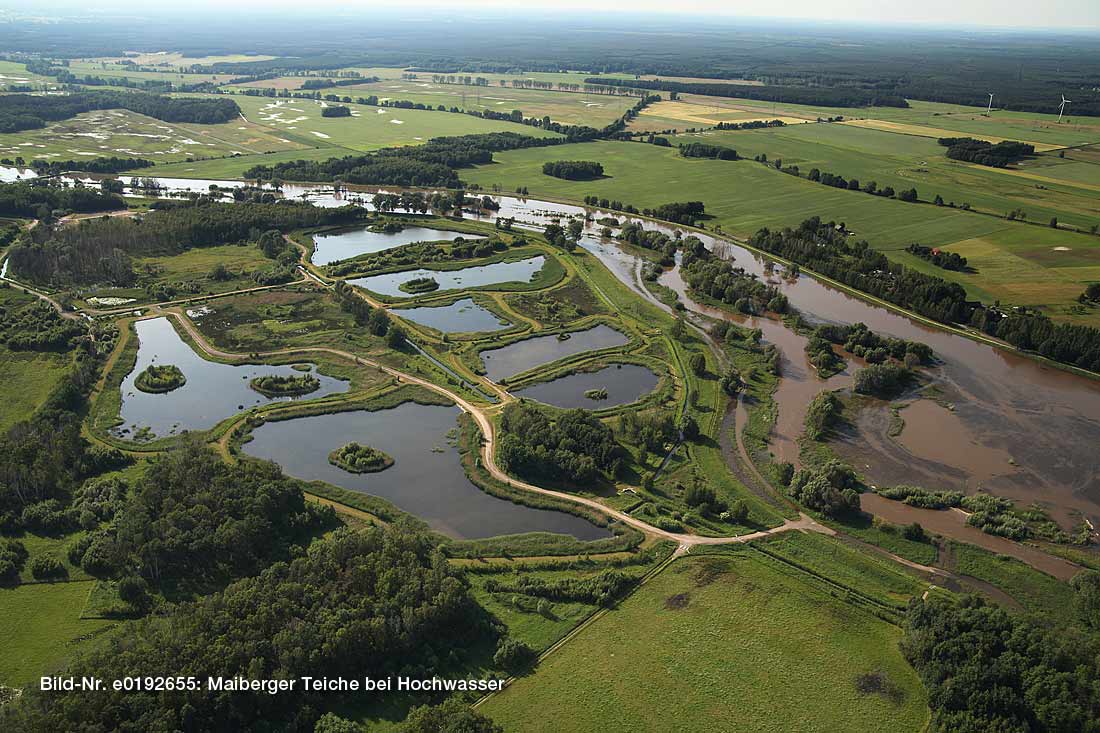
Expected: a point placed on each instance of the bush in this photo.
(882, 380)
(514, 656)
(48, 568)
(829, 489)
(13, 555)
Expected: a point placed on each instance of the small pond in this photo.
(212, 393)
(462, 316)
(520, 271)
(337, 246)
(426, 478)
(625, 383)
(510, 360)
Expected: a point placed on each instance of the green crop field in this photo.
(720, 643)
(40, 628)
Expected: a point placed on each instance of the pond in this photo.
(520, 271)
(213, 391)
(510, 360)
(625, 383)
(337, 246)
(426, 478)
(461, 316)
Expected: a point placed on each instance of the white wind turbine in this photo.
(1062, 106)
(990, 108)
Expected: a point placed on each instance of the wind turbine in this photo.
(1062, 106)
(990, 108)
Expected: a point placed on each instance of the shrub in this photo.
(48, 568)
(514, 656)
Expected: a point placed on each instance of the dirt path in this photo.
(488, 448)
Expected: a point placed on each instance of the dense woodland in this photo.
(28, 112)
(100, 250)
(986, 153)
(366, 603)
(110, 164)
(990, 670)
(431, 164)
(573, 170)
(575, 447)
(40, 201)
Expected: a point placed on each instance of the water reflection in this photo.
(426, 479)
(213, 391)
(461, 316)
(510, 360)
(497, 273)
(337, 246)
(624, 383)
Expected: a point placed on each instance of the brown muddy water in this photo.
(1044, 423)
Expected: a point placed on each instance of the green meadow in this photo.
(721, 643)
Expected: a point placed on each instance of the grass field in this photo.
(369, 128)
(40, 628)
(595, 110)
(1037, 592)
(716, 643)
(107, 133)
(29, 376)
(189, 273)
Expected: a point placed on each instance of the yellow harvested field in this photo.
(906, 128)
(1044, 179)
(686, 112)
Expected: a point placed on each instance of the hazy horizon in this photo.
(1081, 16)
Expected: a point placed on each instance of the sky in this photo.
(1080, 15)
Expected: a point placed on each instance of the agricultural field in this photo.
(121, 133)
(738, 643)
(13, 73)
(742, 196)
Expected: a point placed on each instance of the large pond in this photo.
(624, 383)
(520, 271)
(461, 316)
(212, 393)
(426, 478)
(1044, 418)
(510, 360)
(338, 246)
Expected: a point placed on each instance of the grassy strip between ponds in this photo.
(1036, 591)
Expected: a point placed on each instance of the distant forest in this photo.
(1025, 71)
(820, 96)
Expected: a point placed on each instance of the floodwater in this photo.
(388, 284)
(625, 383)
(952, 523)
(461, 316)
(1047, 420)
(426, 478)
(213, 391)
(510, 360)
(337, 246)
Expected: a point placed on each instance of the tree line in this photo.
(39, 200)
(112, 164)
(703, 150)
(28, 112)
(430, 164)
(100, 250)
(825, 248)
(819, 96)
